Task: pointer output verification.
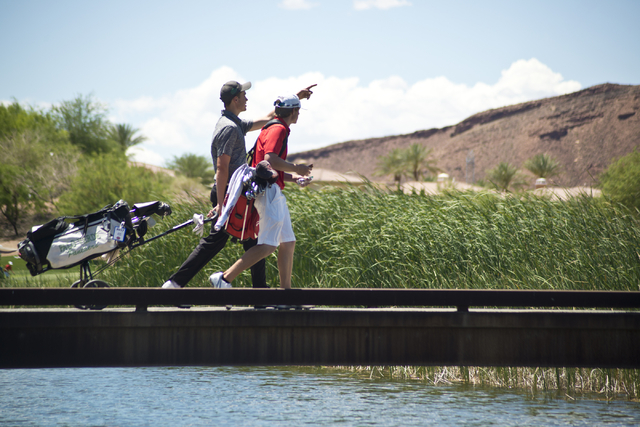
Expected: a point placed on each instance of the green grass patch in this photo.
(20, 277)
(50, 279)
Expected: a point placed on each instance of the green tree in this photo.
(621, 180)
(37, 161)
(543, 166)
(413, 162)
(44, 168)
(14, 195)
(85, 121)
(505, 176)
(193, 166)
(14, 119)
(417, 160)
(391, 164)
(123, 135)
(104, 179)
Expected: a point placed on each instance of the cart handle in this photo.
(171, 230)
(135, 245)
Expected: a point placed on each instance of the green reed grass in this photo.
(610, 383)
(350, 238)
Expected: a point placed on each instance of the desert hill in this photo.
(584, 131)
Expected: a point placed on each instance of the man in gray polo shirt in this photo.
(228, 153)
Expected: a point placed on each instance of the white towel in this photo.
(234, 189)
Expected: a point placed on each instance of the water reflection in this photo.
(277, 396)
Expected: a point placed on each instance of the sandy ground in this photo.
(9, 247)
(326, 175)
(558, 193)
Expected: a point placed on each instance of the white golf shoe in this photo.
(170, 284)
(217, 281)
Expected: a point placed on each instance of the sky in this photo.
(383, 67)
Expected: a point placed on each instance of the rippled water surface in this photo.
(277, 396)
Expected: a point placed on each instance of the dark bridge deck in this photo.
(462, 299)
(320, 336)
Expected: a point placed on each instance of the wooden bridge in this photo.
(143, 327)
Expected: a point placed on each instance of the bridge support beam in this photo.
(242, 336)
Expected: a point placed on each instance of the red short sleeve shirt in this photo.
(270, 141)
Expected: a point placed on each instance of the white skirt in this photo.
(275, 220)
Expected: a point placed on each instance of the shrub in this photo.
(621, 181)
(104, 179)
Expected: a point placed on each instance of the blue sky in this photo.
(383, 67)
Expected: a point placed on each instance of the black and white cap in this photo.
(288, 101)
(231, 89)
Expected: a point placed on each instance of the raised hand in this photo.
(306, 92)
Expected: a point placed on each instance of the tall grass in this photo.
(611, 383)
(151, 264)
(463, 240)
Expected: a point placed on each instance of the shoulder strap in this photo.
(251, 154)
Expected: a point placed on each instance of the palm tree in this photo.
(123, 136)
(417, 160)
(505, 176)
(193, 166)
(391, 164)
(411, 162)
(543, 166)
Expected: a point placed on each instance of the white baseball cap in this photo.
(288, 101)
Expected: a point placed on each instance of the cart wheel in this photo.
(90, 284)
(96, 284)
(79, 284)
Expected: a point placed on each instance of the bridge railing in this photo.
(323, 336)
(461, 299)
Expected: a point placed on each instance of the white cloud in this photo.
(379, 4)
(28, 102)
(340, 109)
(177, 123)
(296, 4)
(143, 155)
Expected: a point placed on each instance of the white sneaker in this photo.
(217, 281)
(170, 284)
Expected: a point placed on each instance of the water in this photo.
(277, 397)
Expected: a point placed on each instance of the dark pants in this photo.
(208, 248)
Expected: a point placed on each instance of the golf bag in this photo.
(243, 220)
(68, 241)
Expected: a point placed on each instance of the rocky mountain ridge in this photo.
(584, 131)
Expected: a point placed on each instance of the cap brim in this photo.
(246, 86)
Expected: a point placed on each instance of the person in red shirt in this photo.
(8, 269)
(275, 221)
